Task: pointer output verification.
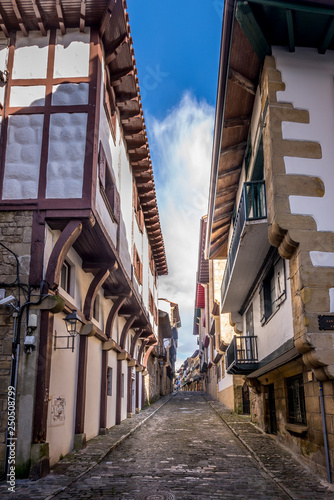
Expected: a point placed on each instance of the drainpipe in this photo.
(322, 405)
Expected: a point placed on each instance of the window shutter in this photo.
(280, 282)
(102, 166)
(141, 220)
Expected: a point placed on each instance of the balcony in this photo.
(248, 247)
(241, 355)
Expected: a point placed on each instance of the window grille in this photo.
(296, 400)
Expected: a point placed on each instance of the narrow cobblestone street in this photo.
(191, 448)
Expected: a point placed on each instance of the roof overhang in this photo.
(250, 29)
(112, 21)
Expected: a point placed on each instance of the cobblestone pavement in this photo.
(183, 447)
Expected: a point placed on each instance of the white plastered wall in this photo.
(279, 328)
(23, 155)
(93, 388)
(309, 81)
(111, 400)
(124, 400)
(72, 54)
(63, 391)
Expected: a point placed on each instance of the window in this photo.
(108, 186)
(137, 208)
(109, 382)
(109, 105)
(151, 303)
(65, 277)
(96, 308)
(138, 266)
(151, 261)
(122, 385)
(296, 400)
(272, 291)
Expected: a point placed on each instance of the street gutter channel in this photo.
(260, 464)
(115, 445)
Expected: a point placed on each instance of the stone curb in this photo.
(111, 448)
(252, 452)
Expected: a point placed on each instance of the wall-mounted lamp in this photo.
(73, 323)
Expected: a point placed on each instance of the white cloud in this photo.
(181, 147)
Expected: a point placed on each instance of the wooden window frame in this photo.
(108, 187)
(109, 105)
(138, 209)
(137, 266)
(68, 277)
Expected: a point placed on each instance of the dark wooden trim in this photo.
(119, 392)
(141, 350)
(19, 18)
(82, 15)
(230, 171)
(106, 17)
(43, 378)
(137, 389)
(93, 120)
(4, 125)
(233, 149)
(93, 289)
(41, 110)
(39, 18)
(81, 386)
(134, 342)
(126, 328)
(37, 248)
(46, 124)
(240, 121)
(129, 394)
(116, 48)
(113, 315)
(147, 354)
(242, 81)
(59, 252)
(104, 390)
(3, 26)
(20, 82)
(60, 16)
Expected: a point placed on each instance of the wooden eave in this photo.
(112, 20)
(250, 29)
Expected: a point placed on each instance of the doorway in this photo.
(272, 410)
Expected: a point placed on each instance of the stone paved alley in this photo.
(185, 446)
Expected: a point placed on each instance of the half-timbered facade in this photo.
(80, 223)
(270, 214)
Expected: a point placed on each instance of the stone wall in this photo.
(15, 233)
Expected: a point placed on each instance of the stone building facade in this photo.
(270, 206)
(80, 235)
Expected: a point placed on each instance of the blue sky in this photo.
(177, 48)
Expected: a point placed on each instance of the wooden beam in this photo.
(230, 171)
(223, 205)
(233, 149)
(38, 17)
(60, 17)
(240, 121)
(106, 17)
(117, 78)
(291, 35)
(123, 101)
(328, 35)
(222, 217)
(19, 18)
(226, 191)
(3, 26)
(96, 265)
(242, 81)
(82, 15)
(116, 48)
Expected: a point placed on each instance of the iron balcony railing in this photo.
(241, 354)
(252, 207)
